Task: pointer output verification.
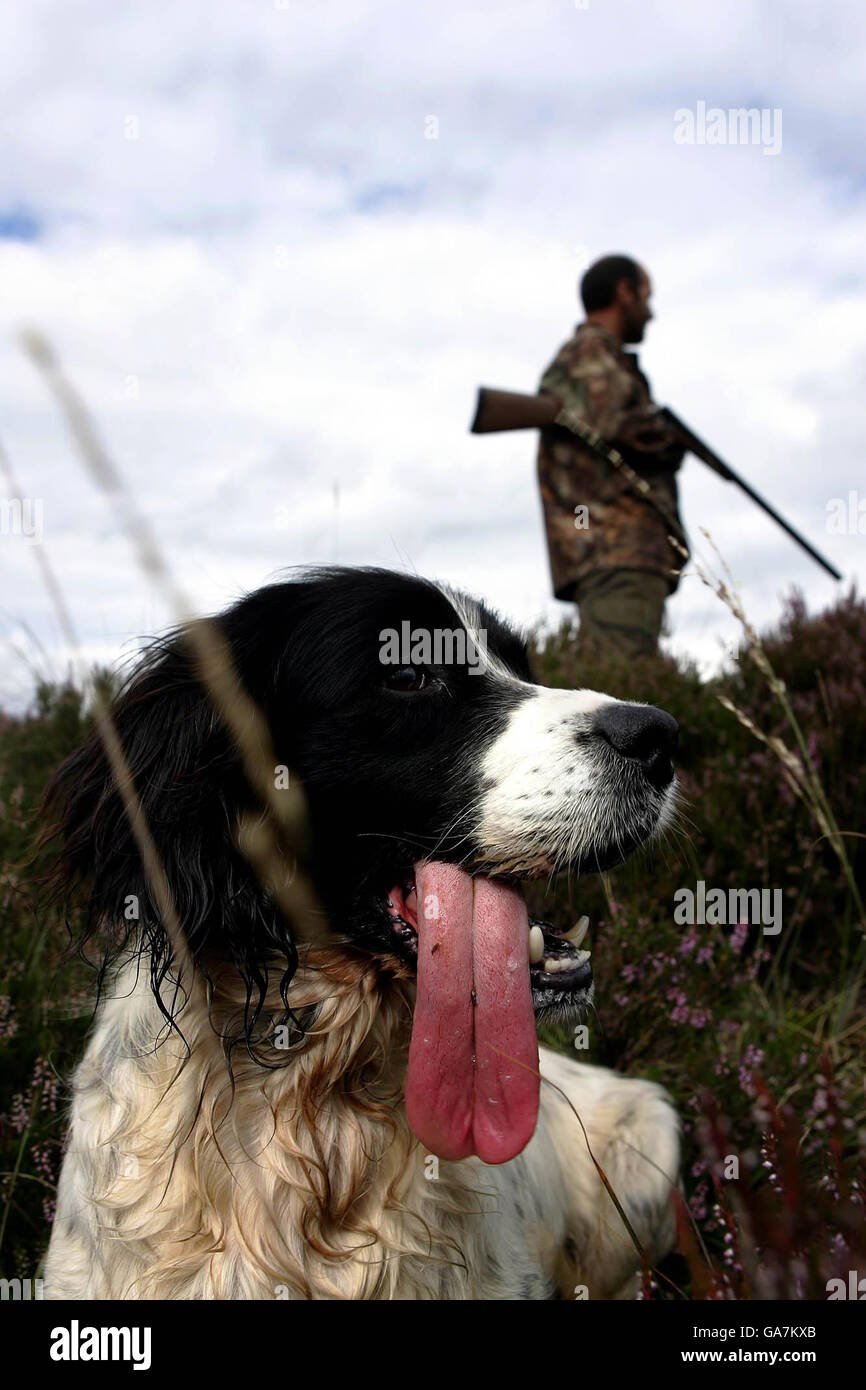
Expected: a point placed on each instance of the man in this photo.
(608, 544)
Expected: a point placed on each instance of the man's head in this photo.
(616, 293)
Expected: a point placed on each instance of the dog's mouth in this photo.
(484, 972)
(560, 973)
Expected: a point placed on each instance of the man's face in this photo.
(635, 303)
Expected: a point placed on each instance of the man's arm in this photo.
(592, 382)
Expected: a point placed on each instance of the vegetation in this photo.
(759, 1037)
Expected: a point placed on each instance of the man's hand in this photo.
(644, 430)
(644, 433)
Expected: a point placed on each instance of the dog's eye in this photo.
(406, 679)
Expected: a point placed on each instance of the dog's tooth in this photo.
(559, 965)
(578, 931)
(536, 945)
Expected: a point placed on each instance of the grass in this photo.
(759, 1038)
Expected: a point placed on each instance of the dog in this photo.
(363, 1114)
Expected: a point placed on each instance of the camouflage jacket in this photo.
(593, 518)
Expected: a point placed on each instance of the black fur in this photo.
(387, 776)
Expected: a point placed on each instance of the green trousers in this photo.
(621, 612)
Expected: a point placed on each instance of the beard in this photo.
(633, 330)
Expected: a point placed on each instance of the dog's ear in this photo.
(191, 792)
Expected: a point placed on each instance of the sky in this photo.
(277, 247)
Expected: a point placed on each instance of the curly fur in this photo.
(305, 1181)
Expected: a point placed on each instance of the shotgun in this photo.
(509, 410)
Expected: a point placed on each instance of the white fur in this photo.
(549, 796)
(307, 1185)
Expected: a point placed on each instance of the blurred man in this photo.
(608, 545)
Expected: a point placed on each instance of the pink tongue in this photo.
(473, 1067)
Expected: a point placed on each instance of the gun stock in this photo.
(509, 410)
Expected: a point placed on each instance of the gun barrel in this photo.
(496, 411)
(709, 456)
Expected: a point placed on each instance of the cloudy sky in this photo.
(278, 245)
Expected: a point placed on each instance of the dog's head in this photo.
(437, 775)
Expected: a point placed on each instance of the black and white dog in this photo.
(358, 1115)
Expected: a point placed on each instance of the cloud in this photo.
(278, 294)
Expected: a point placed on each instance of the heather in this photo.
(758, 1037)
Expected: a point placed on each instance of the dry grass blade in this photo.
(114, 752)
(797, 767)
(281, 835)
(605, 1181)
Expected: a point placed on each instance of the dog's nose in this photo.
(642, 732)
